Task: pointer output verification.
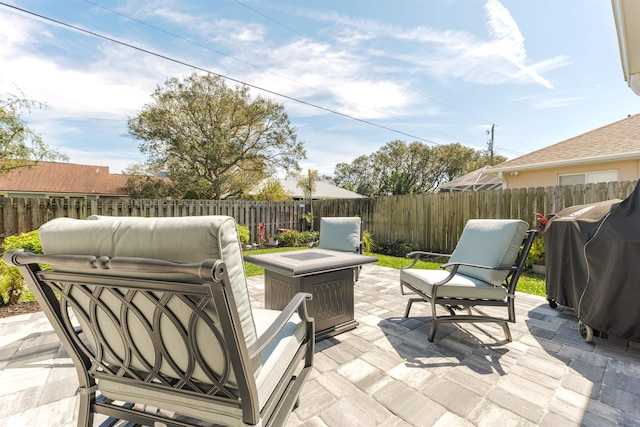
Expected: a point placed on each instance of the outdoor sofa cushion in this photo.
(459, 287)
(340, 234)
(492, 243)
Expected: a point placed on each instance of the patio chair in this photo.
(155, 312)
(483, 270)
(342, 234)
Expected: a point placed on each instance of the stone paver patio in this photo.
(386, 373)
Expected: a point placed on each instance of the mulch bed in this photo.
(20, 308)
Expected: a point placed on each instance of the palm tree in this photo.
(308, 186)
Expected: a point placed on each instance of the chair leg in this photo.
(85, 416)
(402, 291)
(507, 331)
(432, 330)
(409, 304)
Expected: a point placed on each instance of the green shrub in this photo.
(398, 248)
(12, 285)
(368, 242)
(290, 238)
(293, 238)
(536, 254)
(244, 234)
(28, 241)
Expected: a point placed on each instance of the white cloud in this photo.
(544, 102)
(509, 42)
(500, 59)
(333, 78)
(114, 82)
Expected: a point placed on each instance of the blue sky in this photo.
(434, 71)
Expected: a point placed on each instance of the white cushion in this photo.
(489, 242)
(178, 239)
(460, 286)
(340, 234)
(277, 356)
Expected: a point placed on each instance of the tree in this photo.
(398, 168)
(215, 141)
(148, 183)
(308, 185)
(271, 190)
(20, 146)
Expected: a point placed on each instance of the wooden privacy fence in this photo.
(432, 221)
(435, 221)
(21, 215)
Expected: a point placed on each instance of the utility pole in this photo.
(491, 144)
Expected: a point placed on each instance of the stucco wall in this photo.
(628, 170)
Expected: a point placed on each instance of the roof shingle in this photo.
(54, 177)
(621, 137)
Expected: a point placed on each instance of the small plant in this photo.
(536, 254)
(368, 242)
(293, 238)
(310, 236)
(29, 241)
(12, 285)
(398, 248)
(290, 238)
(309, 217)
(272, 240)
(244, 234)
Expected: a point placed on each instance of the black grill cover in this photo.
(593, 263)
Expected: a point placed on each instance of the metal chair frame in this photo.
(453, 305)
(63, 298)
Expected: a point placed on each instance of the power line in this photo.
(269, 18)
(379, 74)
(256, 66)
(383, 75)
(195, 67)
(162, 30)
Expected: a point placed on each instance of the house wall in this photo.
(628, 170)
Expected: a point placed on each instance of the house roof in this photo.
(616, 141)
(65, 178)
(473, 181)
(324, 190)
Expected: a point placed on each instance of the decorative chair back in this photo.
(159, 324)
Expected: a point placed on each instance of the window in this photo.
(588, 177)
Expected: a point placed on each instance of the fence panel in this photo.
(433, 221)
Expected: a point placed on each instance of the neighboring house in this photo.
(473, 181)
(609, 153)
(323, 190)
(53, 179)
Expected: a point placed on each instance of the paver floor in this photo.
(386, 373)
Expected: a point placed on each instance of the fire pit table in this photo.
(327, 275)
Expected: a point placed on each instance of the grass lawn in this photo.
(529, 282)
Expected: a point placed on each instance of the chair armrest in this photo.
(298, 303)
(456, 265)
(416, 255)
(465, 264)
